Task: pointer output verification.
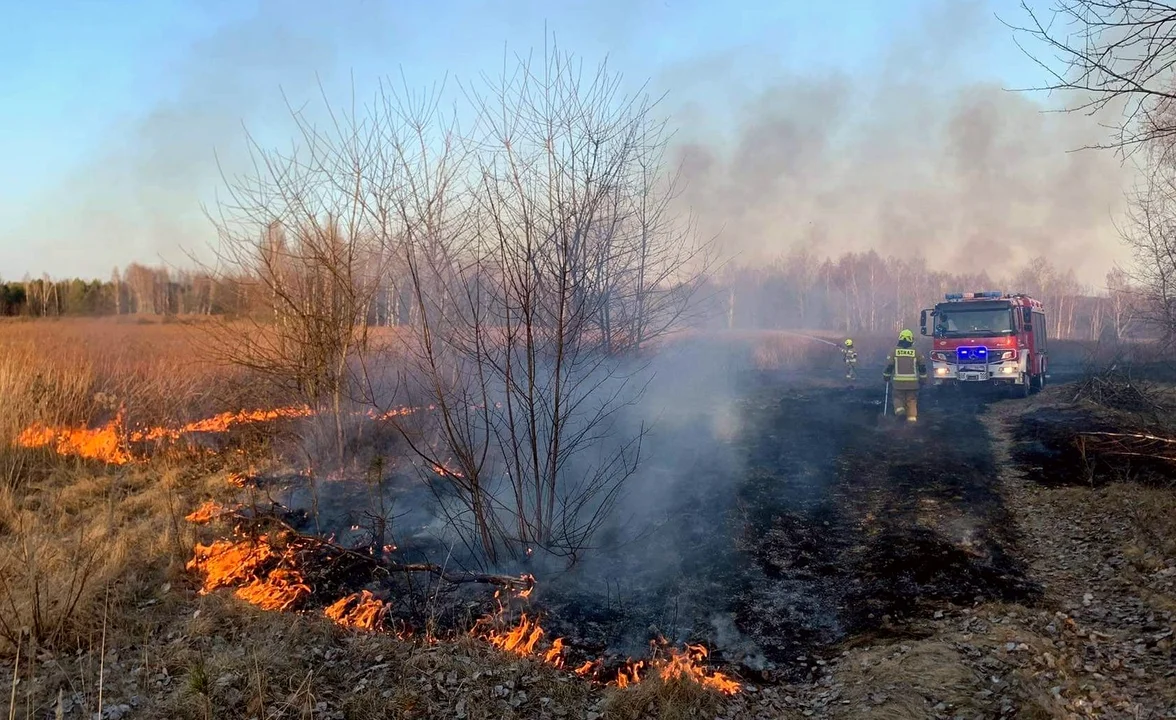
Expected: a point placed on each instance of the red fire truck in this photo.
(986, 338)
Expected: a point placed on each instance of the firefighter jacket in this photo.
(905, 367)
(850, 355)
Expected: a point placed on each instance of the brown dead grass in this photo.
(77, 547)
(898, 685)
(80, 544)
(76, 371)
(910, 680)
(653, 697)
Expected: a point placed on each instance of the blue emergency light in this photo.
(972, 295)
(976, 355)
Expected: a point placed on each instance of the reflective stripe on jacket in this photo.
(904, 368)
(904, 364)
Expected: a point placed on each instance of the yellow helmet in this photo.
(848, 342)
(906, 335)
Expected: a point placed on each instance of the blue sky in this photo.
(112, 109)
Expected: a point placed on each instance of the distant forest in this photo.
(854, 293)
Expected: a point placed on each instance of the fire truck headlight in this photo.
(940, 371)
(1007, 370)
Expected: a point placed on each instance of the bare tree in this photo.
(1150, 232)
(1120, 302)
(1115, 55)
(298, 236)
(541, 260)
(566, 262)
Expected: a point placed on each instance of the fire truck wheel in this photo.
(1026, 386)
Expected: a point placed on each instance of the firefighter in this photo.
(850, 357)
(905, 370)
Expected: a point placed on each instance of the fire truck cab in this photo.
(987, 338)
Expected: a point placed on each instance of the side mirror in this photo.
(922, 322)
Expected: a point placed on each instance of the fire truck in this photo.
(986, 338)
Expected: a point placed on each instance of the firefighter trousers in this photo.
(906, 403)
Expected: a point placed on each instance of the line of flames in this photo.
(109, 443)
(239, 564)
(669, 663)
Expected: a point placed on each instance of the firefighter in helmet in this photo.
(905, 371)
(849, 354)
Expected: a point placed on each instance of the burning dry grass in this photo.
(271, 573)
(361, 611)
(208, 511)
(668, 698)
(111, 443)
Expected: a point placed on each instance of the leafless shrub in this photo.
(298, 235)
(535, 262)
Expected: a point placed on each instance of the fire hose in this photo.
(886, 398)
(810, 337)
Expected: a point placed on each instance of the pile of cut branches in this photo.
(1141, 452)
(1114, 387)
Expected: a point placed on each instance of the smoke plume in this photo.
(918, 156)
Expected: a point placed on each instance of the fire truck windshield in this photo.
(972, 322)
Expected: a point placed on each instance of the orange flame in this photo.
(688, 665)
(554, 655)
(241, 480)
(108, 443)
(280, 590)
(240, 563)
(360, 610)
(589, 666)
(525, 593)
(226, 563)
(104, 443)
(447, 472)
(630, 674)
(520, 640)
(206, 513)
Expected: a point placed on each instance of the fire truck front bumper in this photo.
(1008, 371)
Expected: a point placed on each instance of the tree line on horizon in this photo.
(867, 293)
(856, 292)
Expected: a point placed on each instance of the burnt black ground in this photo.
(775, 525)
(840, 525)
(875, 521)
